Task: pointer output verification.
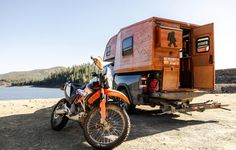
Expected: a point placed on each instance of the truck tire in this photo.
(130, 108)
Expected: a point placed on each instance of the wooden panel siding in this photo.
(112, 44)
(141, 55)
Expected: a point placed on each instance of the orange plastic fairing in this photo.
(116, 93)
(94, 97)
(108, 92)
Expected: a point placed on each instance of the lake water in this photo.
(27, 92)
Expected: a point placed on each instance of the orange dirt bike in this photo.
(97, 108)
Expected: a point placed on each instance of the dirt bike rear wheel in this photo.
(116, 131)
(58, 121)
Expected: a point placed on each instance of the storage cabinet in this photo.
(170, 78)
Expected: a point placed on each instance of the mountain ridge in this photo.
(31, 75)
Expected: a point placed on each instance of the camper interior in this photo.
(185, 60)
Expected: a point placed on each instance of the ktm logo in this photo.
(171, 38)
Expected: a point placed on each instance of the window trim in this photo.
(202, 38)
(108, 53)
(127, 50)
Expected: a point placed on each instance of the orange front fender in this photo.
(115, 93)
(108, 92)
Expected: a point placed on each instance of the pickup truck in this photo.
(163, 62)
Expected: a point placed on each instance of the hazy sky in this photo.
(46, 33)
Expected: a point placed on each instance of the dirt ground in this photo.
(25, 124)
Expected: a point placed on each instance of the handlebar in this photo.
(92, 57)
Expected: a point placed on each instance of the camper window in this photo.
(127, 46)
(203, 44)
(108, 51)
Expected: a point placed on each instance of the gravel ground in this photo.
(24, 124)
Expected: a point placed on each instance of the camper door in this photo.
(203, 57)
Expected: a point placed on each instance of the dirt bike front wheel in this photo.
(110, 135)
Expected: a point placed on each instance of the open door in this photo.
(203, 57)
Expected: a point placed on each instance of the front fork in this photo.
(103, 107)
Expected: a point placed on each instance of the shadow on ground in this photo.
(33, 132)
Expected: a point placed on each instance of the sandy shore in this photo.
(13, 107)
(25, 124)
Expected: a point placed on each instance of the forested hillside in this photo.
(21, 77)
(81, 74)
(226, 76)
(53, 77)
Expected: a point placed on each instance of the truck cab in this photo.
(160, 61)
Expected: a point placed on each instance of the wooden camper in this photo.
(182, 52)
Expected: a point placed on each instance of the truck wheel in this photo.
(130, 108)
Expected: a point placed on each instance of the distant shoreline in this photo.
(4, 83)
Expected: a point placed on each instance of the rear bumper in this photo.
(182, 95)
(173, 96)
